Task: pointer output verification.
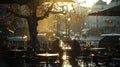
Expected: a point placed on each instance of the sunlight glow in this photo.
(89, 3)
(70, 7)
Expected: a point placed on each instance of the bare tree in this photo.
(29, 12)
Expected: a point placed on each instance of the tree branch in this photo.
(46, 13)
(16, 14)
(60, 12)
(20, 2)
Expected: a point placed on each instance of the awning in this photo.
(114, 11)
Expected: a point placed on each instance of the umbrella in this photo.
(85, 29)
(48, 54)
(18, 38)
(114, 11)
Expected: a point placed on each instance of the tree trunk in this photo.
(33, 32)
(32, 22)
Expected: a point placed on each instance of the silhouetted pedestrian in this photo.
(75, 52)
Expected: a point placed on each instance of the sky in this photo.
(90, 3)
(107, 1)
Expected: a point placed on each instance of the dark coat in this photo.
(75, 51)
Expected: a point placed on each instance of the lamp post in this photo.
(68, 19)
